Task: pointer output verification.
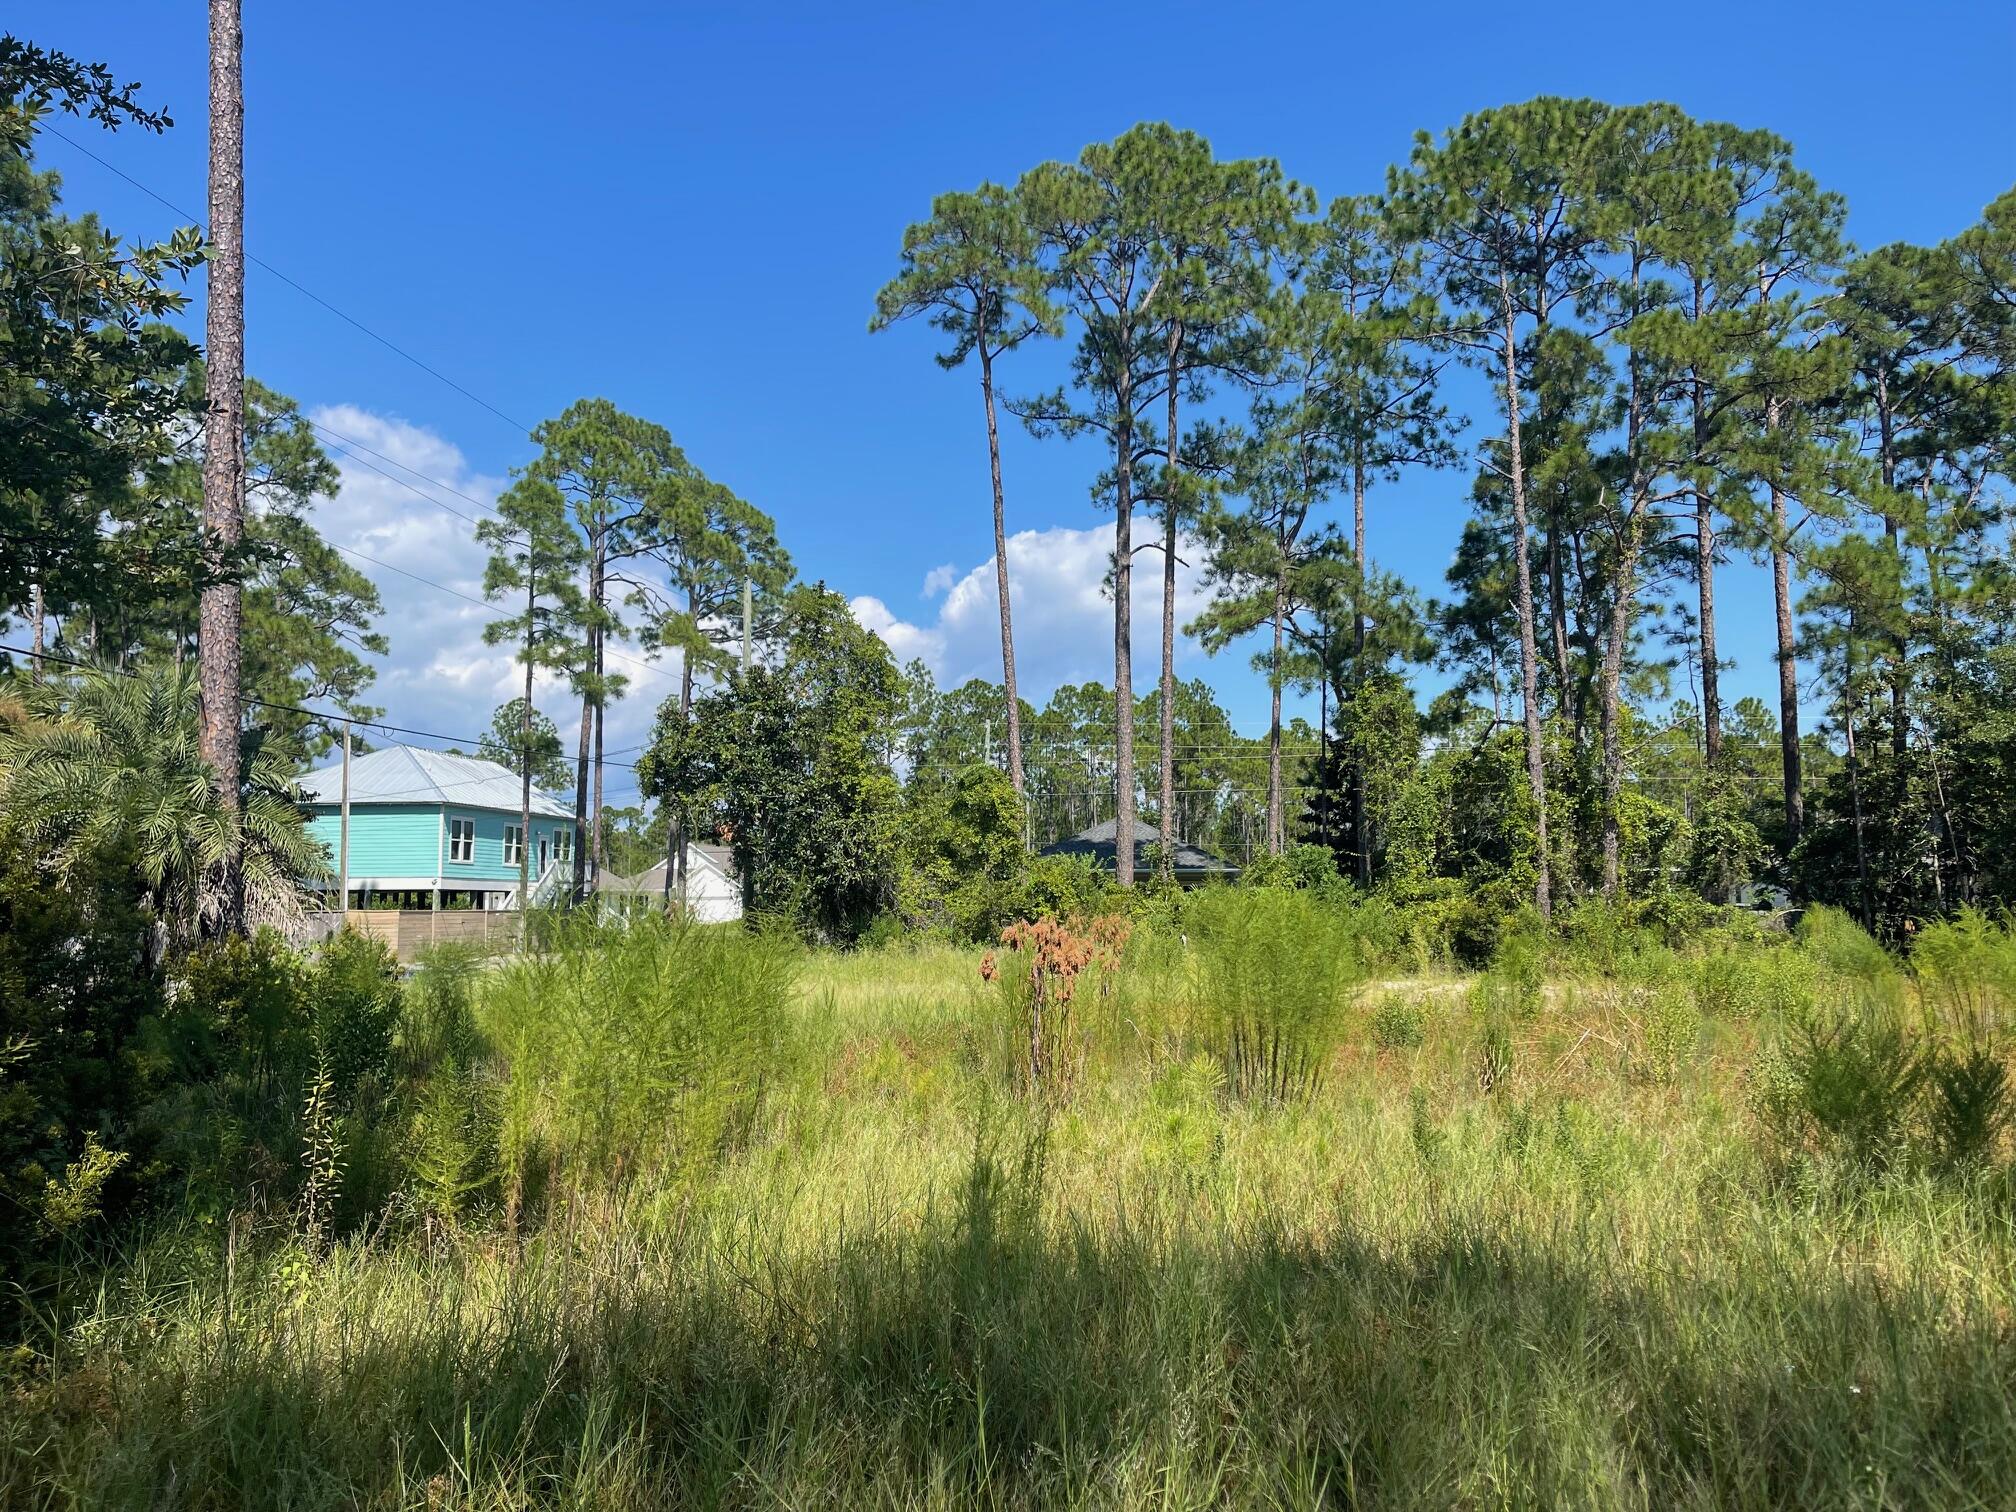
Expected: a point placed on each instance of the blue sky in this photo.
(688, 210)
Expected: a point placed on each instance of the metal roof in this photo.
(414, 774)
(1101, 843)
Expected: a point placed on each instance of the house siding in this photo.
(386, 840)
(488, 863)
(410, 840)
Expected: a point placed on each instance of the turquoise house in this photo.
(434, 830)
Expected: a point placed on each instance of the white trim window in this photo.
(514, 844)
(563, 845)
(462, 841)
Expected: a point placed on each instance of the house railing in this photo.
(552, 884)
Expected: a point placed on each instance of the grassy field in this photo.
(1528, 1243)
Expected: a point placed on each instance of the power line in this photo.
(322, 716)
(354, 444)
(300, 287)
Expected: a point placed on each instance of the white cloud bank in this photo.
(1062, 612)
(440, 675)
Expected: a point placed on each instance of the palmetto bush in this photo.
(1275, 971)
(108, 765)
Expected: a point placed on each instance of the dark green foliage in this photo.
(1068, 887)
(255, 1028)
(1310, 867)
(354, 1000)
(1969, 1105)
(791, 761)
(78, 1015)
(1399, 1023)
(967, 872)
(82, 405)
(507, 744)
(1844, 1088)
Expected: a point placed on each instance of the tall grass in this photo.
(1582, 1286)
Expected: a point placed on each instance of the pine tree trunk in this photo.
(525, 742)
(675, 820)
(1557, 597)
(1277, 838)
(1623, 591)
(1711, 681)
(36, 623)
(1704, 563)
(1001, 577)
(1612, 712)
(1361, 838)
(1123, 629)
(1171, 506)
(1788, 672)
(1855, 795)
(601, 717)
(1899, 669)
(580, 887)
(220, 615)
(1536, 756)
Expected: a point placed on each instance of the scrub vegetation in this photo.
(1728, 1224)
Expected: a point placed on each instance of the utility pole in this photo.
(343, 832)
(220, 613)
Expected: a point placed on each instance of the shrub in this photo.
(1494, 1055)
(1842, 946)
(1275, 971)
(354, 997)
(1380, 934)
(1480, 917)
(1067, 887)
(1969, 1105)
(1727, 985)
(646, 1044)
(1843, 1089)
(450, 1148)
(1038, 969)
(1310, 867)
(884, 932)
(1187, 1131)
(1398, 1023)
(1670, 1031)
(1516, 986)
(1968, 963)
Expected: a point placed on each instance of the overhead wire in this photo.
(353, 447)
(294, 283)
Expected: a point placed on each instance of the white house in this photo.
(713, 891)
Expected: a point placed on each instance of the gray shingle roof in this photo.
(413, 774)
(1101, 843)
(652, 878)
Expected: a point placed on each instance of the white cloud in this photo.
(1062, 612)
(439, 674)
(939, 580)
